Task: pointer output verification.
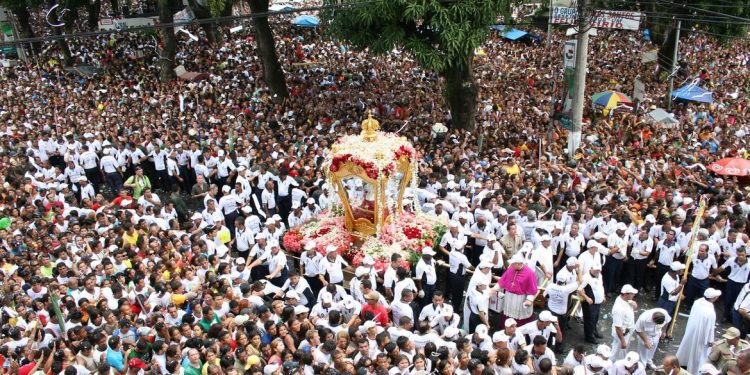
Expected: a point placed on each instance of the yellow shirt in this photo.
(130, 239)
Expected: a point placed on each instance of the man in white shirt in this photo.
(667, 251)
(160, 165)
(616, 251)
(738, 268)
(643, 245)
(284, 184)
(296, 217)
(592, 293)
(671, 287)
(698, 281)
(623, 321)
(111, 170)
(90, 163)
(332, 267)
(310, 261)
(426, 276)
(268, 199)
(649, 329)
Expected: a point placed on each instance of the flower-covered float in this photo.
(370, 172)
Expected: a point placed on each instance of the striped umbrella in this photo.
(610, 99)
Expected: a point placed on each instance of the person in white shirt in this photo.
(311, 209)
(616, 252)
(111, 170)
(243, 238)
(643, 245)
(592, 293)
(160, 165)
(402, 307)
(229, 205)
(310, 261)
(701, 265)
(671, 286)
(558, 300)
(649, 328)
(268, 199)
(623, 321)
(284, 184)
(277, 264)
(458, 265)
(90, 163)
(426, 276)
(738, 268)
(332, 267)
(296, 217)
(87, 190)
(543, 257)
(667, 251)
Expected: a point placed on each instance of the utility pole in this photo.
(674, 65)
(574, 135)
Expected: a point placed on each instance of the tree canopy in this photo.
(439, 34)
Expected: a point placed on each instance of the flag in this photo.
(58, 313)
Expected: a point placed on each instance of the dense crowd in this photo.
(141, 223)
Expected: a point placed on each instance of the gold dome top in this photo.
(370, 127)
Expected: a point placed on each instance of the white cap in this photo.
(368, 261)
(270, 221)
(572, 261)
(711, 293)
(687, 201)
(510, 322)
(247, 210)
(301, 309)
(310, 245)
(546, 237)
(621, 226)
(196, 216)
(594, 361)
(310, 201)
(241, 319)
(596, 266)
(369, 324)
(226, 189)
(361, 271)
(447, 310)
(326, 297)
(708, 369)
(500, 336)
(453, 224)
(547, 316)
(291, 295)
(604, 351)
(330, 249)
(502, 212)
(592, 243)
(650, 219)
(348, 302)
(631, 359)
(295, 205)
(491, 237)
(481, 329)
(600, 236)
(518, 258)
(628, 289)
(270, 369)
(484, 264)
(260, 236)
(451, 332)
(428, 251)
(220, 153)
(239, 261)
(677, 266)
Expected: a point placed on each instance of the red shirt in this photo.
(381, 314)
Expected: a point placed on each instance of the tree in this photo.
(205, 10)
(21, 11)
(273, 75)
(441, 35)
(169, 43)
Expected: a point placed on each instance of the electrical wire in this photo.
(89, 34)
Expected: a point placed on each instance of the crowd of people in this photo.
(141, 223)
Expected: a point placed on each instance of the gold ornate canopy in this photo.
(370, 173)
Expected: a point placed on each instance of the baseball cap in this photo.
(137, 363)
(628, 289)
(631, 359)
(731, 333)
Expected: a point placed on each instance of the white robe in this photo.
(693, 350)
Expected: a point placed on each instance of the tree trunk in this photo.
(169, 44)
(93, 9)
(461, 92)
(115, 8)
(24, 17)
(62, 44)
(201, 13)
(273, 75)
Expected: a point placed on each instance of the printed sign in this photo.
(602, 19)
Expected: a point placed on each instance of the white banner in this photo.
(602, 19)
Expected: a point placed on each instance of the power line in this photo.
(89, 34)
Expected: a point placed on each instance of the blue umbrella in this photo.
(306, 21)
